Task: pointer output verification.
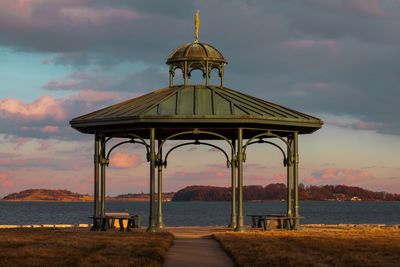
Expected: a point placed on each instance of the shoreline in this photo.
(165, 201)
(303, 226)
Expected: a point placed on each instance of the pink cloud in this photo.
(312, 88)
(279, 177)
(337, 176)
(213, 149)
(40, 162)
(96, 16)
(45, 144)
(43, 107)
(20, 141)
(72, 12)
(220, 174)
(5, 181)
(124, 160)
(47, 116)
(97, 96)
(367, 125)
(368, 7)
(17, 6)
(357, 125)
(373, 8)
(322, 87)
(50, 129)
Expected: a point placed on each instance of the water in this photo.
(201, 213)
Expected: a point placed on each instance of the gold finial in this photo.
(196, 26)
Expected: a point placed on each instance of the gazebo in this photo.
(196, 114)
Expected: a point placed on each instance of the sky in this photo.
(338, 60)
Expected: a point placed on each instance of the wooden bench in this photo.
(124, 220)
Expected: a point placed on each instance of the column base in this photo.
(160, 225)
(95, 225)
(94, 228)
(152, 229)
(233, 223)
(239, 227)
(296, 224)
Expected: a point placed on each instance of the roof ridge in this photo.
(281, 108)
(258, 110)
(162, 99)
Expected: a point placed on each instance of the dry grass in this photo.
(31, 247)
(315, 247)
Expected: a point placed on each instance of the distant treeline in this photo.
(278, 192)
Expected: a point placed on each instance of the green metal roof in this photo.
(195, 106)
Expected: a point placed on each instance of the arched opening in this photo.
(196, 76)
(115, 158)
(178, 78)
(265, 172)
(214, 77)
(223, 150)
(209, 169)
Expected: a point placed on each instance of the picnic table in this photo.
(121, 218)
(269, 221)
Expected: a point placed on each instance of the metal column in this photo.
(96, 155)
(233, 186)
(185, 75)
(289, 171)
(103, 162)
(239, 226)
(296, 180)
(171, 76)
(207, 73)
(160, 223)
(152, 225)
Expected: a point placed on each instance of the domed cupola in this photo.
(196, 56)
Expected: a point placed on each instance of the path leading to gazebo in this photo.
(194, 246)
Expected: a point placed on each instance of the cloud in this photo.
(374, 8)
(95, 15)
(110, 80)
(5, 181)
(50, 129)
(356, 125)
(43, 107)
(60, 85)
(334, 175)
(94, 26)
(48, 117)
(123, 160)
(309, 44)
(343, 59)
(40, 162)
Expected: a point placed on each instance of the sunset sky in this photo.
(338, 60)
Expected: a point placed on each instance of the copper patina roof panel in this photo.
(196, 104)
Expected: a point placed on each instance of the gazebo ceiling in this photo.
(175, 108)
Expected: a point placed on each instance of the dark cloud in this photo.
(110, 80)
(337, 57)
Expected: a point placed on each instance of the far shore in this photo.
(147, 200)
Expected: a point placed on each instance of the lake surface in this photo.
(201, 213)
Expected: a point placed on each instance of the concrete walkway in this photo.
(194, 247)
